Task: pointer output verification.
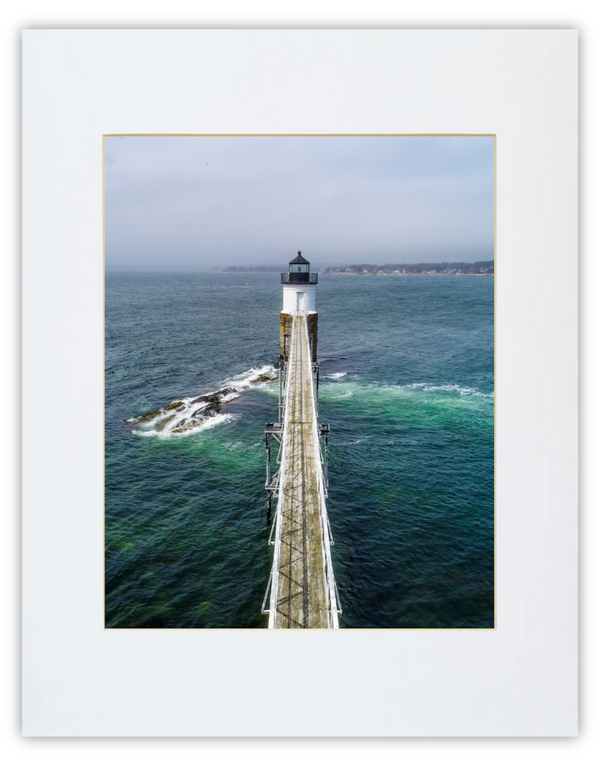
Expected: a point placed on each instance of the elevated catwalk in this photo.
(302, 592)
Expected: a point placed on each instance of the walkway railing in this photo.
(301, 467)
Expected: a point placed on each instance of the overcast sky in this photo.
(197, 202)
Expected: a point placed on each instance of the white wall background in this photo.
(513, 14)
(517, 680)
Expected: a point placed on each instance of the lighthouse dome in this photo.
(299, 260)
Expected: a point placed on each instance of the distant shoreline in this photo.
(442, 268)
(353, 273)
(391, 273)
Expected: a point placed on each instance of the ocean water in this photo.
(407, 385)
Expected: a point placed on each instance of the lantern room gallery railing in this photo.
(299, 278)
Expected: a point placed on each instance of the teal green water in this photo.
(407, 375)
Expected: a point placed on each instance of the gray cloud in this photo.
(191, 203)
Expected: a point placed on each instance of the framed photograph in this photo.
(309, 324)
(244, 433)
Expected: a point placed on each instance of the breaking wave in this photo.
(197, 413)
(209, 423)
(335, 390)
(460, 389)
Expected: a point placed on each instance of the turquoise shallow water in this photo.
(407, 374)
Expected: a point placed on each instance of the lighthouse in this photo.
(299, 295)
(301, 592)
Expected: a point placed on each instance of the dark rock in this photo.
(149, 416)
(200, 399)
(226, 391)
(174, 405)
(213, 397)
(163, 423)
(185, 426)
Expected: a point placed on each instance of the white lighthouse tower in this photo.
(299, 286)
(299, 294)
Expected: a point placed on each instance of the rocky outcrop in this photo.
(213, 398)
(183, 416)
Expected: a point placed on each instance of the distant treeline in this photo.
(480, 267)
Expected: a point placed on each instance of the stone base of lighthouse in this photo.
(285, 331)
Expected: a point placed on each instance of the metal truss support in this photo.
(315, 370)
(324, 434)
(273, 429)
(283, 367)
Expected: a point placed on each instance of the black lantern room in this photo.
(299, 270)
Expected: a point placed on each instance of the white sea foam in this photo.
(211, 422)
(248, 379)
(336, 375)
(460, 389)
(345, 389)
(346, 394)
(189, 416)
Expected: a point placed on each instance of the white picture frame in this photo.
(517, 680)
